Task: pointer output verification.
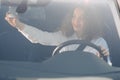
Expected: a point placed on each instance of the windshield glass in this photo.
(48, 23)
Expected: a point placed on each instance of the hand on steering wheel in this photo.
(82, 44)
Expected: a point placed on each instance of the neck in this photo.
(79, 34)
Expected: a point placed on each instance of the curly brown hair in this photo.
(93, 22)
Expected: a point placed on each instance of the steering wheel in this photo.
(82, 44)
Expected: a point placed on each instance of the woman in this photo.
(82, 26)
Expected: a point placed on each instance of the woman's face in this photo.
(77, 20)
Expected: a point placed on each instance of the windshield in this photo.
(48, 23)
(65, 39)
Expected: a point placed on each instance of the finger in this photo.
(10, 15)
(14, 22)
(98, 54)
(6, 18)
(106, 53)
(11, 21)
(7, 14)
(102, 48)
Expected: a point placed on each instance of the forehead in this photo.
(78, 12)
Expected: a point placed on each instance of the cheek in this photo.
(74, 24)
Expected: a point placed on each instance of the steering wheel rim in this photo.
(81, 42)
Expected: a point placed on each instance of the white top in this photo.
(43, 37)
(46, 38)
